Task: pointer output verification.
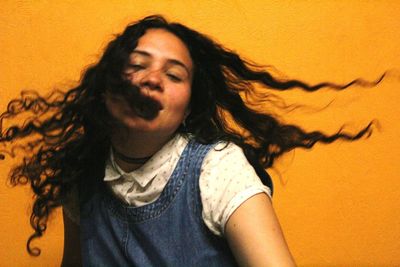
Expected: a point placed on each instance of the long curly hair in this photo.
(65, 140)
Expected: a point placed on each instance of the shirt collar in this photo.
(148, 171)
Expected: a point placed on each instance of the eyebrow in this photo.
(170, 60)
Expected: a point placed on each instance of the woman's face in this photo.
(162, 68)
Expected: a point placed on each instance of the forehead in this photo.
(162, 44)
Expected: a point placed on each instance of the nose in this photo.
(151, 80)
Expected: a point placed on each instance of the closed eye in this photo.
(174, 78)
(135, 67)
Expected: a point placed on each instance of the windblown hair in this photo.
(69, 133)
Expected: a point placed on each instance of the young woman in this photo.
(144, 162)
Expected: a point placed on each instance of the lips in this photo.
(156, 102)
(144, 106)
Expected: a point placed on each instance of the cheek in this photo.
(114, 107)
(179, 104)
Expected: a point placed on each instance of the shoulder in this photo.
(225, 156)
(226, 180)
(223, 149)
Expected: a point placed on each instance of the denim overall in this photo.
(167, 232)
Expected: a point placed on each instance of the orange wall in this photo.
(337, 204)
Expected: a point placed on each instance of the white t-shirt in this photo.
(226, 180)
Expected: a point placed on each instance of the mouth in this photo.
(147, 107)
(144, 106)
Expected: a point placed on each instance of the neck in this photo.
(135, 146)
(128, 159)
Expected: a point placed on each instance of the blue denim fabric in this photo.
(167, 232)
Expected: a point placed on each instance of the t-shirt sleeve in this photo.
(226, 180)
(71, 205)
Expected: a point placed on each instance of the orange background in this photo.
(337, 204)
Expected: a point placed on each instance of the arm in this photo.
(72, 244)
(255, 236)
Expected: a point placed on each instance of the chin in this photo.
(141, 126)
